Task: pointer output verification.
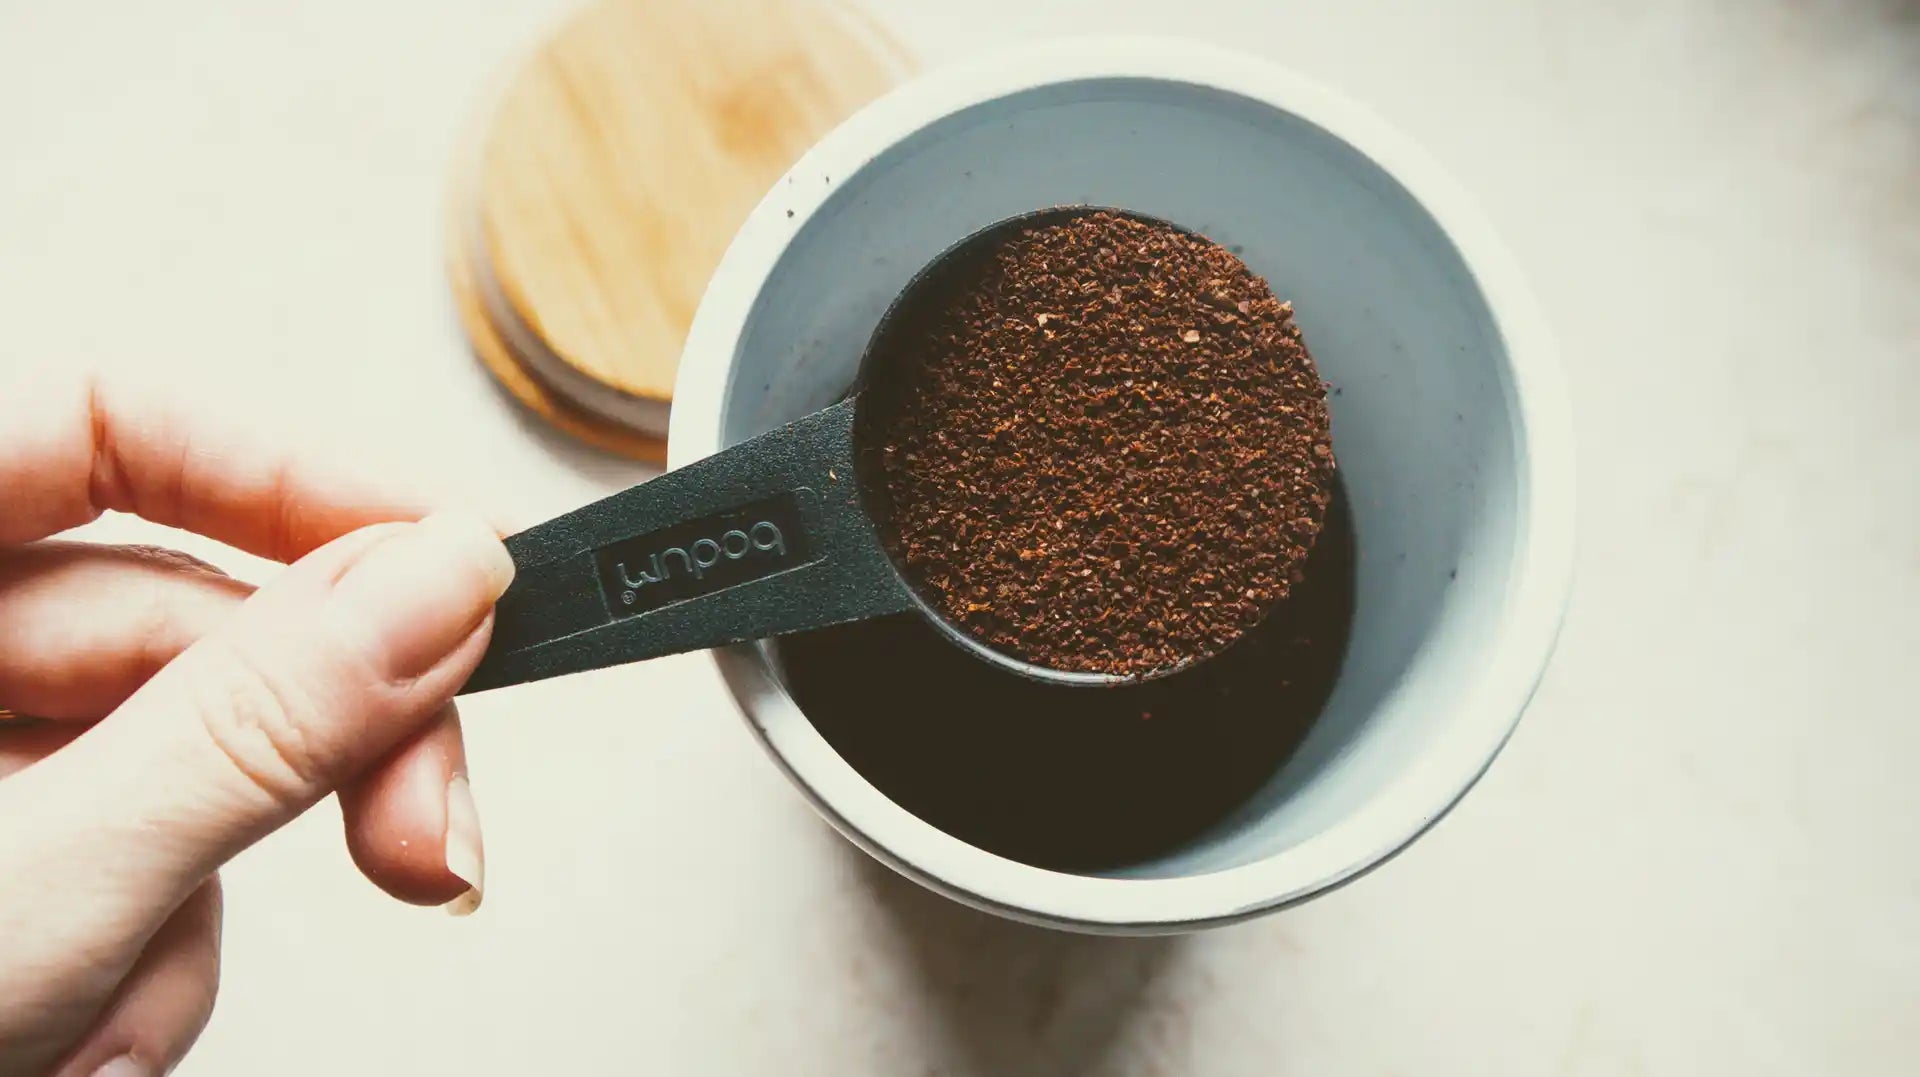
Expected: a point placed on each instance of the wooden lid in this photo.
(614, 169)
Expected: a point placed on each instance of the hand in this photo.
(178, 715)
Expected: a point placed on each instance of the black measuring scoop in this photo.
(769, 537)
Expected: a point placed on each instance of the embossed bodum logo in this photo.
(703, 556)
(763, 537)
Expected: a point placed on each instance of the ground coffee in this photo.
(1077, 779)
(1097, 445)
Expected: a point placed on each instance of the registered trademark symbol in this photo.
(627, 597)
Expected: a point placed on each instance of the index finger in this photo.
(73, 447)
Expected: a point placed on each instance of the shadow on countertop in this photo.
(1009, 999)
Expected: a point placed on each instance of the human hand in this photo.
(178, 715)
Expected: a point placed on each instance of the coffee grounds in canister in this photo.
(1078, 779)
(1098, 445)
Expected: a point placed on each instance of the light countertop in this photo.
(1700, 854)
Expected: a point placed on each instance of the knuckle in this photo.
(260, 723)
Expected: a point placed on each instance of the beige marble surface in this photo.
(1700, 855)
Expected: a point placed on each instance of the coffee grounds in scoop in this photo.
(1097, 445)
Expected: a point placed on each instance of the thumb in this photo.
(316, 677)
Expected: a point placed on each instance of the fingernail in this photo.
(465, 858)
(124, 1066)
(423, 591)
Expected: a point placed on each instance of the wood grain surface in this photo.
(610, 173)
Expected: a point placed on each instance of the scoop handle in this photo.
(762, 539)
